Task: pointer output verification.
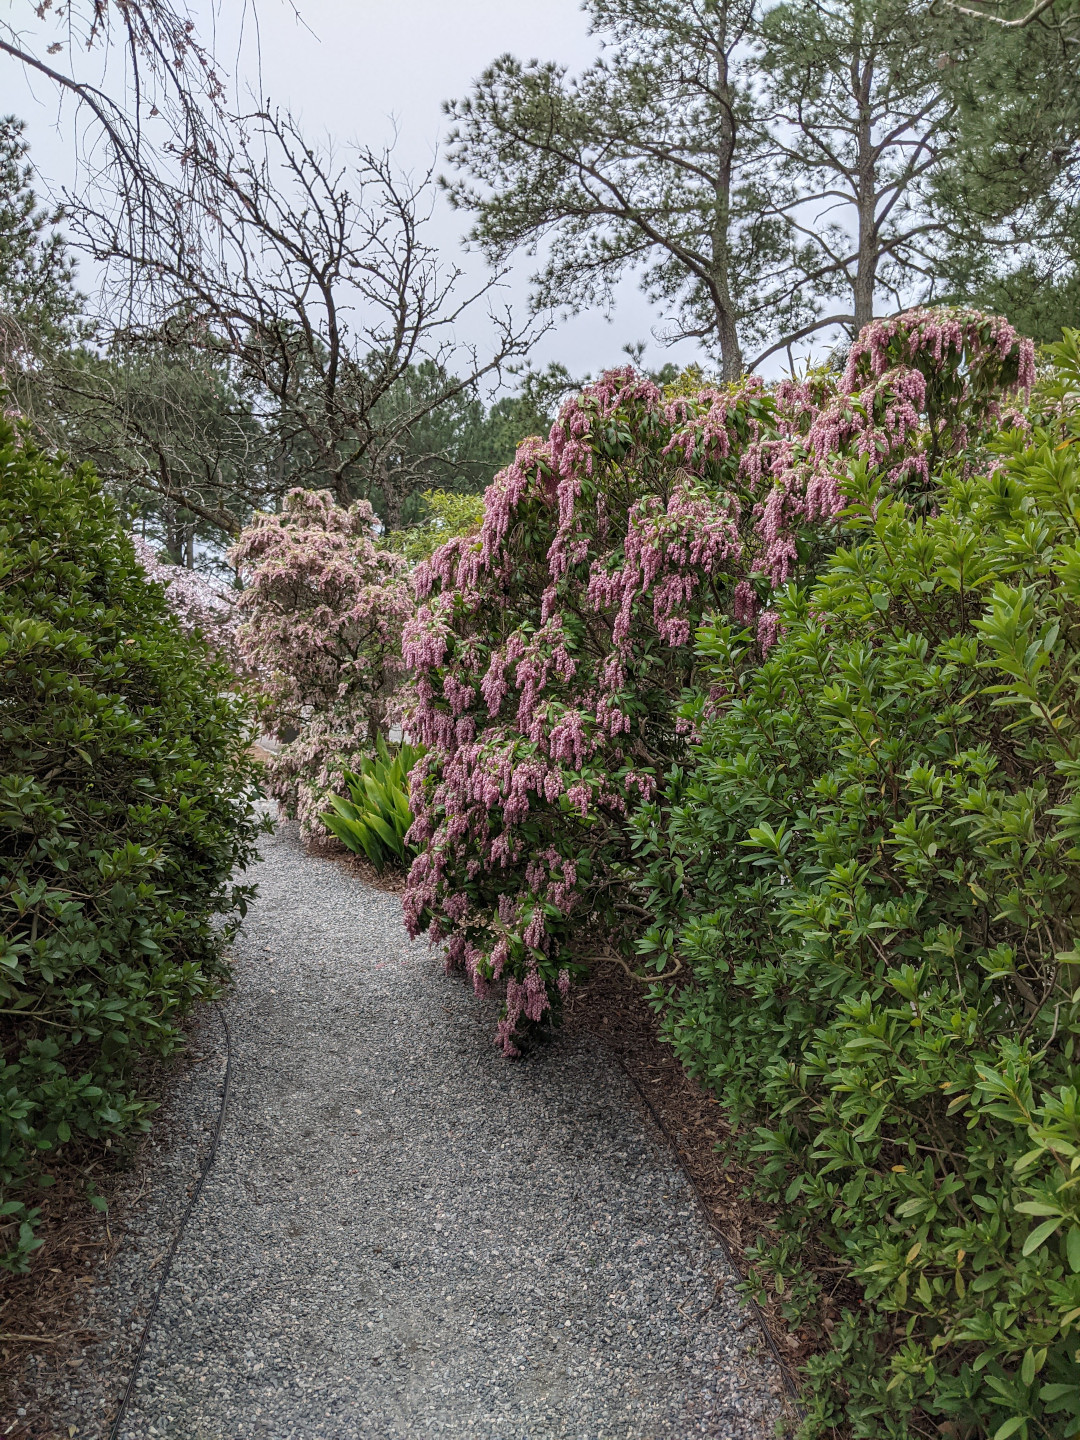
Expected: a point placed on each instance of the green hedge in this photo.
(126, 806)
(874, 874)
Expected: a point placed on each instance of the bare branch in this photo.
(310, 277)
(786, 341)
(1039, 8)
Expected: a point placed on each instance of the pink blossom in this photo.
(551, 658)
(768, 630)
(323, 617)
(199, 604)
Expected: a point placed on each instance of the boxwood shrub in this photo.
(126, 810)
(872, 871)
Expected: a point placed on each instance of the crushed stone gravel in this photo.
(404, 1234)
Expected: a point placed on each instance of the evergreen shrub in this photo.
(871, 865)
(126, 807)
(321, 620)
(551, 652)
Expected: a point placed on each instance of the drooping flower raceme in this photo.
(322, 616)
(551, 652)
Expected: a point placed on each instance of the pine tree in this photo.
(38, 299)
(652, 160)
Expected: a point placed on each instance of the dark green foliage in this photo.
(1018, 114)
(37, 295)
(774, 170)
(874, 874)
(126, 805)
(1039, 299)
(457, 445)
(164, 427)
(376, 817)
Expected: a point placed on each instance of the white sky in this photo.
(355, 69)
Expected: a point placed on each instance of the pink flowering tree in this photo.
(552, 652)
(200, 605)
(321, 622)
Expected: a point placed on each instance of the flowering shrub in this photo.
(552, 651)
(879, 890)
(201, 606)
(126, 815)
(322, 616)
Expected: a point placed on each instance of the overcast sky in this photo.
(358, 69)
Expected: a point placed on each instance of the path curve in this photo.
(404, 1234)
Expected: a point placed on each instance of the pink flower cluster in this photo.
(935, 342)
(198, 603)
(552, 652)
(322, 616)
(922, 384)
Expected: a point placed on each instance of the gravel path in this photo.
(404, 1234)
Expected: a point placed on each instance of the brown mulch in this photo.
(42, 1313)
(73, 1233)
(390, 880)
(612, 1006)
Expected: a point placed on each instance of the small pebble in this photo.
(403, 1233)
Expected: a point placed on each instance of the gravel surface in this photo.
(404, 1234)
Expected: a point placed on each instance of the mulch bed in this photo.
(41, 1311)
(43, 1329)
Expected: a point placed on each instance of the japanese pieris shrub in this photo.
(321, 613)
(551, 652)
(877, 845)
(202, 606)
(126, 813)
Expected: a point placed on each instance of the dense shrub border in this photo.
(126, 806)
(877, 845)
(551, 653)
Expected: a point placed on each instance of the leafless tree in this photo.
(311, 277)
(158, 92)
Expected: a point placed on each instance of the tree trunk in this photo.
(174, 535)
(731, 357)
(865, 280)
(394, 497)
